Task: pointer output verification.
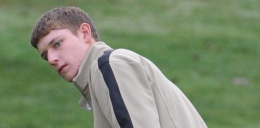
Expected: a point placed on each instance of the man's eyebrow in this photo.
(52, 41)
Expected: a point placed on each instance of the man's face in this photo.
(64, 51)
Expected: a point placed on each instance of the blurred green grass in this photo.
(210, 49)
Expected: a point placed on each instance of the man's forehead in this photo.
(44, 41)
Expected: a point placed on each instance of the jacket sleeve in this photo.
(123, 94)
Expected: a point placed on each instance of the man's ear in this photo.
(86, 31)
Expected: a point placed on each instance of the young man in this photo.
(122, 88)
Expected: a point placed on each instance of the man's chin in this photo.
(67, 78)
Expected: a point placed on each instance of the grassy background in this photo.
(209, 48)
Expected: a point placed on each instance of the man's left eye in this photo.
(57, 44)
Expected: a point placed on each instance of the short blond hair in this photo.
(61, 18)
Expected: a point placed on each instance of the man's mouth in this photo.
(61, 68)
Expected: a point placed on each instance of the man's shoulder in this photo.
(123, 55)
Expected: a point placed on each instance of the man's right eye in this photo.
(44, 56)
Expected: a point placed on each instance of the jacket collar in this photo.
(81, 80)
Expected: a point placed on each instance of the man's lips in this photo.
(61, 68)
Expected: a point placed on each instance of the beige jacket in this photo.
(127, 90)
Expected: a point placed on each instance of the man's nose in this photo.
(52, 58)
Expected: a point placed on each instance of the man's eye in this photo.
(57, 44)
(44, 56)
